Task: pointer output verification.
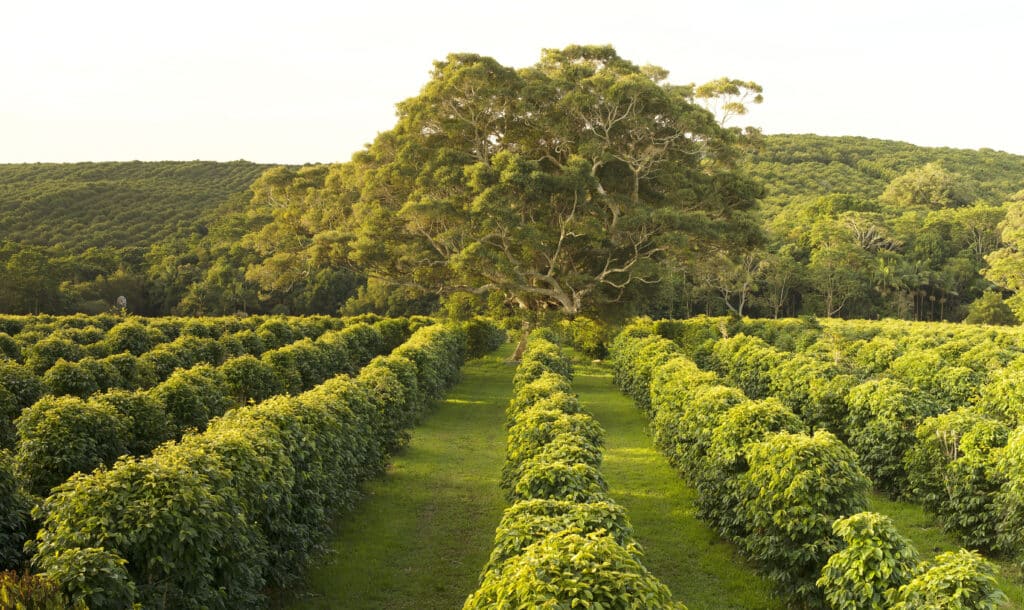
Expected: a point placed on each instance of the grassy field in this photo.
(702, 570)
(421, 536)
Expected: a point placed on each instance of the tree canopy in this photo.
(575, 182)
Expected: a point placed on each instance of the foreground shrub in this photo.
(956, 580)
(546, 386)
(687, 404)
(543, 479)
(147, 423)
(93, 578)
(721, 489)
(58, 437)
(9, 410)
(566, 567)
(539, 425)
(797, 486)
(874, 563)
(814, 389)
(390, 382)
(250, 379)
(747, 362)
(1010, 498)
(191, 397)
(21, 382)
(183, 550)
(70, 379)
(884, 415)
(43, 354)
(529, 521)
(952, 470)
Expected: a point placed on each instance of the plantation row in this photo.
(88, 329)
(58, 436)
(793, 501)
(563, 540)
(158, 344)
(138, 355)
(938, 420)
(293, 357)
(210, 521)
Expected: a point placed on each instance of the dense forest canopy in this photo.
(582, 184)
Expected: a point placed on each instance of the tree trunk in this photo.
(517, 355)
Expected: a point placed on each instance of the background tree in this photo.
(562, 186)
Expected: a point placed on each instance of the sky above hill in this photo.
(303, 81)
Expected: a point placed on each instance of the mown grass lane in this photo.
(424, 531)
(702, 570)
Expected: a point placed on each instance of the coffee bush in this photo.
(873, 564)
(59, 436)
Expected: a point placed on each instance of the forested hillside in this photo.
(807, 164)
(74, 237)
(77, 206)
(847, 226)
(856, 227)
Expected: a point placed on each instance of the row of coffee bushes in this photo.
(210, 521)
(85, 329)
(863, 345)
(139, 357)
(162, 353)
(931, 425)
(58, 436)
(38, 342)
(771, 487)
(564, 542)
(20, 388)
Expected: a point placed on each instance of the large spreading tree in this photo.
(574, 183)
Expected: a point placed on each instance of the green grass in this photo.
(914, 522)
(423, 533)
(699, 567)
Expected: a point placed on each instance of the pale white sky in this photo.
(302, 81)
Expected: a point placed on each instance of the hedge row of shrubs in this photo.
(928, 418)
(84, 329)
(149, 355)
(140, 357)
(777, 491)
(58, 436)
(211, 520)
(563, 543)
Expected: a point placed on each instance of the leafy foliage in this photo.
(14, 509)
(959, 580)
(209, 521)
(58, 437)
(875, 562)
(563, 543)
(566, 567)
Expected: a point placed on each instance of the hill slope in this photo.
(807, 164)
(80, 205)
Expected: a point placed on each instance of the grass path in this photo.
(420, 537)
(702, 570)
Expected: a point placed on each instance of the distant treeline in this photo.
(849, 227)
